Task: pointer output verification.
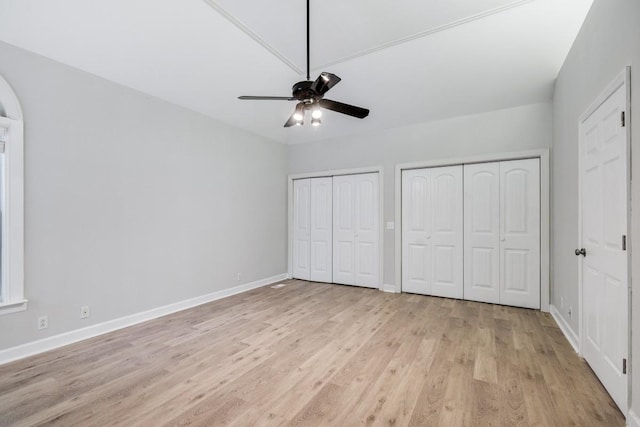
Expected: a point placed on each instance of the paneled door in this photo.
(432, 231)
(301, 228)
(312, 229)
(502, 232)
(356, 230)
(321, 230)
(604, 263)
(520, 233)
(482, 232)
(367, 226)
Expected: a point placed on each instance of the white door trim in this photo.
(542, 154)
(337, 172)
(622, 79)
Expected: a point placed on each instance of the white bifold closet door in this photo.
(482, 232)
(301, 228)
(356, 230)
(502, 232)
(520, 233)
(312, 233)
(432, 231)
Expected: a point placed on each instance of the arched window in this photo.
(12, 296)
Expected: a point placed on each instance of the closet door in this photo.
(416, 230)
(432, 253)
(321, 230)
(447, 232)
(366, 226)
(356, 230)
(344, 230)
(520, 233)
(482, 232)
(301, 228)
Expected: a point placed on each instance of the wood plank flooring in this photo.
(315, 354)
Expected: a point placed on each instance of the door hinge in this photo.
(624, 366)
(624, 242)
(622, 119)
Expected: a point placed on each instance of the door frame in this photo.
(622, 79)
(542, 154)
(331, 173)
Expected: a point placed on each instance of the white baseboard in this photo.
(566, 329)
(632, 419)
(50, 343)
(389, 288)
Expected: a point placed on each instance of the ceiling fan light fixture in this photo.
(310, 96)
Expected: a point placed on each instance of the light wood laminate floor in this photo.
(315, 354)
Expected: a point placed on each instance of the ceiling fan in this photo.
(310, 96)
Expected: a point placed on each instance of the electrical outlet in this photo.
(84, 312)
(239, 277)
(43, 322)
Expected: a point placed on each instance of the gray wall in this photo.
(133, 203)
(609, 40)
(515, 129)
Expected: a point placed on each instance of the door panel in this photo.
(604, 213)
(321, 230)
(520, 233)
(447, 232)
(416, 228)
(366, 230)
(344, 230)
(482, 232)
(301, 228)
(432, 231)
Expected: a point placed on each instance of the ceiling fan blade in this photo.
(267, 98)
(324, 82)
(297, 118)
(291, 121)
(350, 110)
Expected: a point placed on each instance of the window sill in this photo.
(13, 307)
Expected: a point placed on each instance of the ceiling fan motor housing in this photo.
(302, 91)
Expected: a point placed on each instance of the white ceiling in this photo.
(409, 61)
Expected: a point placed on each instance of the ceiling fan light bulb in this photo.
(316, 113)
(315, 122)
(298, 116)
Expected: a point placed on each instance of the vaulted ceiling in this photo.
(407, 61)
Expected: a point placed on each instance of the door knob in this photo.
(582, 252)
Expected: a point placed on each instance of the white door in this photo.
(520, 233)
(604, 207)
(356, 230)
(482, 232)
(432, 231)
(416, 229)
(321, 230)
(366, 231)
(301, 228)
(344, 230)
